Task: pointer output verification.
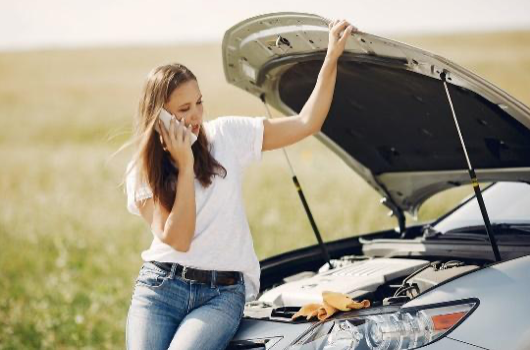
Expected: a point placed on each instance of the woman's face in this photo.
(185, 103)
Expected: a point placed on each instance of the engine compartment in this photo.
(357, 279)
(383, 281)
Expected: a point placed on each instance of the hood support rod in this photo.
(474, 180)
(322, 245)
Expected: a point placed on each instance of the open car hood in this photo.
(390, 120)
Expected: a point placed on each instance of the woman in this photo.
(201, 266)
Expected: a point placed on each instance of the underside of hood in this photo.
(390, 119)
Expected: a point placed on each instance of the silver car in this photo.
(411, 124)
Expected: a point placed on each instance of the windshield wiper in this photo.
(479, 233)
(456, 234)
(500, 229)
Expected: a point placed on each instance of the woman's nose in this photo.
(196, 116)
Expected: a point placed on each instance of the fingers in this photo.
(173, 131)
(339, 32)
(332, 23)
(183, 132)
(187, 135)
(341, 26)
(180, 131)
(346, 34)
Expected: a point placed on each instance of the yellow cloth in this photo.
(333, 302)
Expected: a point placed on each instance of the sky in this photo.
(37, 24)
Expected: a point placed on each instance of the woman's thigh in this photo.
(212, 325)
(157, 308)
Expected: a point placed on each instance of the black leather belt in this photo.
(223, 278)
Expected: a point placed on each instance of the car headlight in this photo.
(387, 328)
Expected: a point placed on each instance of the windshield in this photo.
(507, 202)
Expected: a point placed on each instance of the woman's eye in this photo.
(184, 110)
(199, 103)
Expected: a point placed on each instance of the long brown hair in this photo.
(154, 164)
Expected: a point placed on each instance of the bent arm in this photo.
(177, 227)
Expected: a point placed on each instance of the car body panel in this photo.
(277, 57)
(452, 344)
(503, 291)
(282, 334)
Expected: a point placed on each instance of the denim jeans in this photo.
(170, 312)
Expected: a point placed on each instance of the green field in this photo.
(69, 249)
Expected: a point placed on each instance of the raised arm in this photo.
(280, 132)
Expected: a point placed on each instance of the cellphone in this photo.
(165, 118)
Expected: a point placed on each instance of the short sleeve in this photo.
(136, 191)
(246, 135)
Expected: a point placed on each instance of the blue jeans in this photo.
(170, 312)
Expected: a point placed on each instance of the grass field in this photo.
(70, 251)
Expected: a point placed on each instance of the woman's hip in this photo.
(162, 302)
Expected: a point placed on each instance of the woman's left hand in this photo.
(339, 32)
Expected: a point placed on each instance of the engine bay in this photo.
(383, 281)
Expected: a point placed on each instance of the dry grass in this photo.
(70, 251)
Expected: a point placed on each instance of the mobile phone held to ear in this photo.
(165, 118)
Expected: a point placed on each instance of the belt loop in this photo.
(214, 279)
(173, 270)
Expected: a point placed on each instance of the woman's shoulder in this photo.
(219, 122)
(136, 189)
(242, 135)
(217, 127)
(231, 124)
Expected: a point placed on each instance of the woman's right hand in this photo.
(178, 142)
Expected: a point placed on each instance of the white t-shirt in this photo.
(222, 239)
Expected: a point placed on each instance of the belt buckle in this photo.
(183, 273)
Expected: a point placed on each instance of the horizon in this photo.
(61, 24)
